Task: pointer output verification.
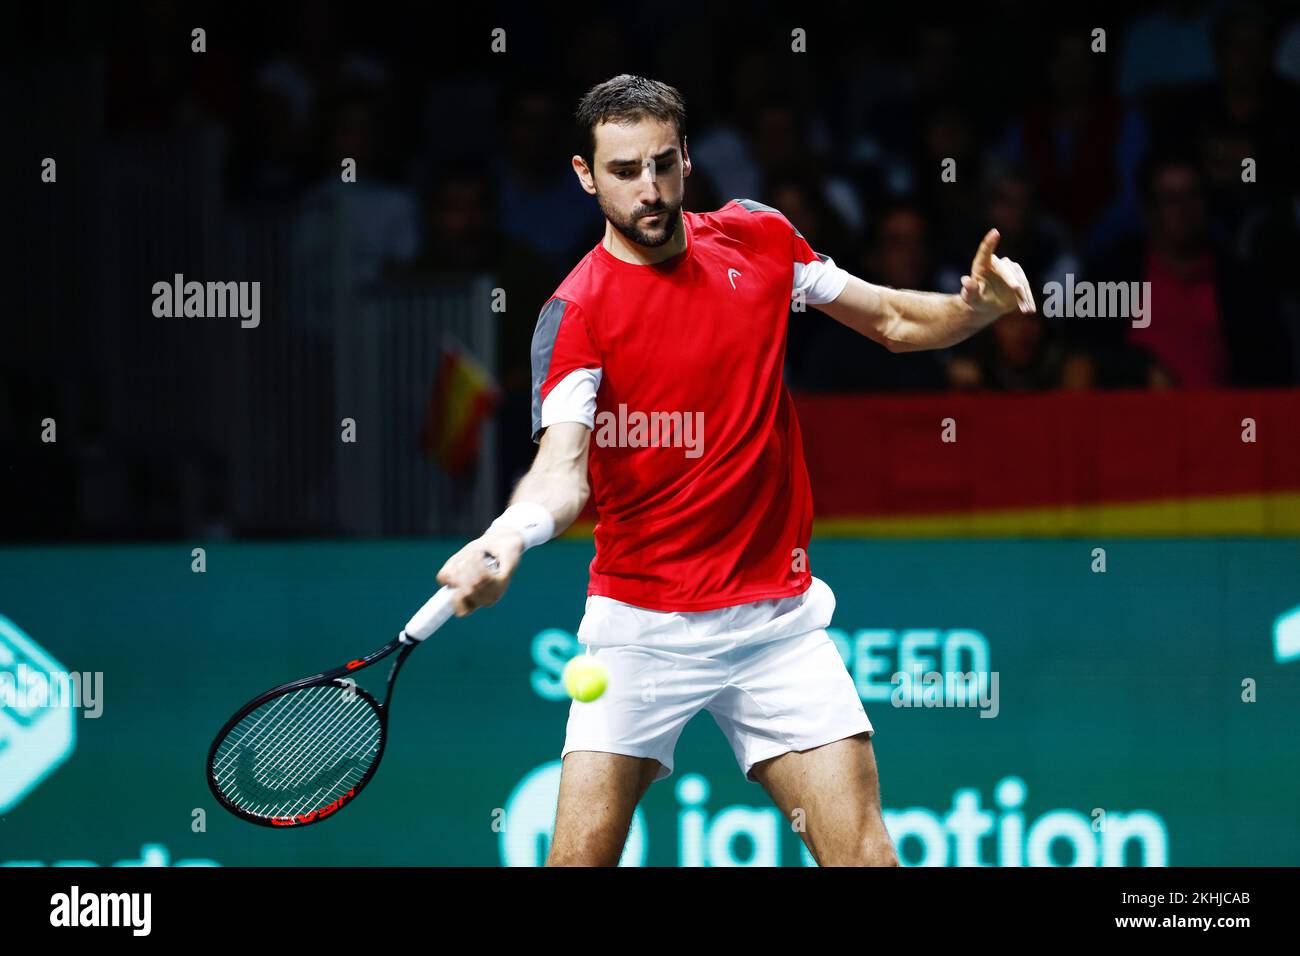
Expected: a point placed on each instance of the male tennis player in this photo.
(667, 342)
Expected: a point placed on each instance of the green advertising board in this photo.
(1143, 714)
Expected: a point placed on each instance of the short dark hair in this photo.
(627, 99)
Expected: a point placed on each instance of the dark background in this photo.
(224, 165)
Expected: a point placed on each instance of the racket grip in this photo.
(437, 610)
(432, 616)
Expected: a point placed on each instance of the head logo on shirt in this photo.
(731, 274)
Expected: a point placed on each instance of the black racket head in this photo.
(298, 754)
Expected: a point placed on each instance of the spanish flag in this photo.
(464, 395)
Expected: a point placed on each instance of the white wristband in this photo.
(532, 521)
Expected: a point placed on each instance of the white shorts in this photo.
(767, 671)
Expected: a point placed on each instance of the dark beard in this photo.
(632, 231)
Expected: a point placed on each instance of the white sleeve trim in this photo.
(573, 399)
(821, 281)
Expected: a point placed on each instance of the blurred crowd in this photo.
(1162, 151)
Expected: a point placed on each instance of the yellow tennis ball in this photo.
(585, 678)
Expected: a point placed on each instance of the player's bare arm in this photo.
(906, 321)
(555, 484)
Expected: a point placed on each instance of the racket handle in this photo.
(437, 610)
(432, 616)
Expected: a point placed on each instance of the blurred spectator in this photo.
(1069, 136)
(1247, 106)
(155, 82)
(293, 94)
(1037, 240)
(464, 240)
(949, 134)
(1167, 47)
(271, 157)
(830, 357)
(541, 203)
(723, 146)
(1017, 353)
(1222, 151)
(783, 146)
(775, 141)
(466, 103)
(382, 217)
(932, 76)
(1208, 324)
(320, 63)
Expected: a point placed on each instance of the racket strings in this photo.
(298, 752)
(279, 756)
(326, 727)
(313, 762)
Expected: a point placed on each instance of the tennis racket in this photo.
(300, 752)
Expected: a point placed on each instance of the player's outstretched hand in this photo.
(996, 285)
(466, 571)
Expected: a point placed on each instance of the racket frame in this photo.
(335, 678)
(432, 615)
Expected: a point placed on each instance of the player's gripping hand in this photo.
(466, 571)
(996, 285)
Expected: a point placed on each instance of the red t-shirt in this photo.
(696, 461)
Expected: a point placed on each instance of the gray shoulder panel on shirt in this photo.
(755, 206)
(548, 327)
